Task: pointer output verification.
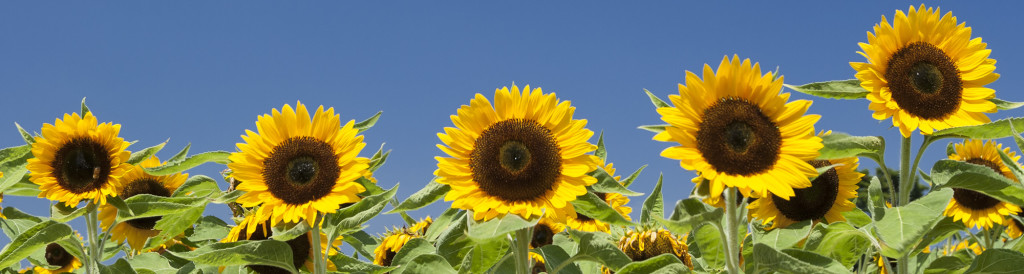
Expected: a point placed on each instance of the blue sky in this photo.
(200, 72)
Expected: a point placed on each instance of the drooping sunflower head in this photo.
(390, 244)
(296, 166)
(544, 232)
(976, 209)
(77, 159)
(56, 255)
(524, 155)
(735, 129)
(136, 182)
(828, 197)
(644, 244)
(926, 72)
(301, 246)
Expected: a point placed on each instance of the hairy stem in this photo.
(319, 266)
(731, 243)
(522, 250)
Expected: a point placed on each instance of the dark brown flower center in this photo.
(972, 199)
(736, 138)
(57, 256)
(81, 165)
(516, 160)
(814, 202)
(144, 186)
(924, 81)
(542, 235)
(539, 267)
(301, 170)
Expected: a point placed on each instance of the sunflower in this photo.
(544, 232)
(421, 226)
(523, 155)
(302, 248)
(736, 130)
(828, 197)
(1, 201)
(1016, 229)
(644, 244)
(617, 201)
(135, 182)
(925, 71)
(973, 208)
(77, 159)
(390, 245)
(297, 167)
(538, 263)
(56, 255)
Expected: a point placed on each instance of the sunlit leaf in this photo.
(664, 263)
(220, 157)
(842, 145)
(172, 225)
(428, 264)
(599, 247)
(838, 89)
(148, 205)
(992, 130)
(596, 208)
(632, 177)
(209, 228)
(62, 213)
(497, 227)
(484, 255)
(1005, 105)
(141, 155)
(119, 267)
(957, 174)
(32, 239)
(352, 218)
(554, 256)
(150, 262)
(947, 264)
(430, 193)
(607, 184)
(706, 244)
(794, 261)
(843, 243)
(690, 213)
(902, 227)
(413, 248)
(654, 128)
(657, 102)
(265, 252)
(782, 238)
(654, 205)
(24, 134)
(365, 125)
(943, 230)
(346, 264)
(997, 261)
(856, 217)
(601, 152)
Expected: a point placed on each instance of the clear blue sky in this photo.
(200, 72)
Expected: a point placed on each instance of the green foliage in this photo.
(365, 125)
(664, 263)
(498, 227)
(994, 130)
(997, 261)
(556, 260)
(32, 239)
(143, 154)
(428, 264)
(841, 242)
(598, 247)
(346, 264)
(838, 89)
(901, 228)
(424, 197)
(690, 213)
(172, 166)
(352, 218)
(594, 207)
(782, 238)
(607, 184)
(412, 249)
(842, 145)
(706, 245)
(265, 252)
(1005, 105)
(484, 255)
(654, 206)
(957, 174)
(767, 259)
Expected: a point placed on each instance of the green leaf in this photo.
(993, 130)
(362, 242)
(1005, 105)
(62, 213)
(706, 244)
(838, 89)
(842, 145)
(957, 174)
(997, 261)
(440, 225)
(287, 231)
(265, 252)
(12, 163)
(497, 227)
(654, 205)
(782, 238)
(424, 197)
(180, 156)
(368, 123)
(632, 177)
(346, 264)
(353, 217)
(148, 205)
(856, 217)
(151, 262)
(658, 103)
(32, 239)
(902, 227)
(599, 247)
(947, 264)
(843, 243)
(25, 135)
(141, 155)
(664, 263)
(119, 267)
(554, 256)
(197, 186)
(209, 228)
(172, 225)
(690, 213)
(607, 184)
(452, 244)
(220, 157)
(22, 188)
(85, 109)
(596, 208)
(428, 264)
(17, 222)
(1011, 164)
(876, 199)
(794, 261)
(943, 230)
(484, 255)
(601, 151)
(654, 128)
(413, 248)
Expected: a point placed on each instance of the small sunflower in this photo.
(644, 244)
(56, 255)
(617, 201)
(390, 245)
(828, 197)
(1016, 229)
(736, 130)
(1, 201)
(523, 155)
(538, 263)
(302, 247)
(297, 167)
(421, 226)
(544, 232)
(77, 159)
(135, 182)
(926, 72)
(973, 208)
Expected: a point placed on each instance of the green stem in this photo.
(522, 250)
(319, 266)
(887, 177)
(93, 256)
(912, 181)
(731, 243)
(904, 192)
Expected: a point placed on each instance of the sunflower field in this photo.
(528, 187)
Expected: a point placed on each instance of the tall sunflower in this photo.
(297, 167)
(302, 247)
(828, 197)
(926, 72)
(77, 159)
(644, 244)
(736, 130)
(971, 207)
(136, 182)
(56, 255)
(524, 155)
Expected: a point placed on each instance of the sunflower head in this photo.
(544, 232)
(828, 197)
(524, 155)
(926, 72)
(56, 255)
(1016, 229)
(136, 182)
(538, 263)
(735, 129)
(390, 244)
(296, 166)
(77, 159)
(974, 208)
(644, 244)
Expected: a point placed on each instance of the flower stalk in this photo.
(522, 250)
(731, 242)
(319, 266)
